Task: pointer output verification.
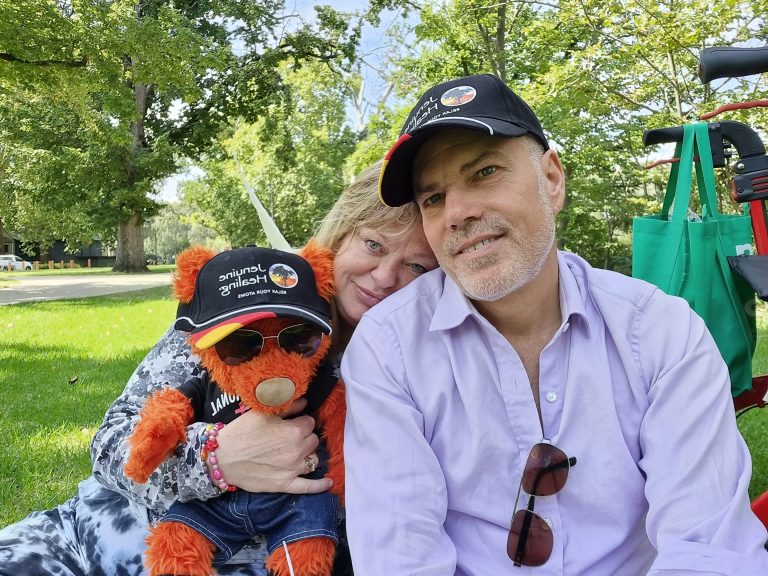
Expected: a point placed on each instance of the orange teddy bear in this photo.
(259, 319)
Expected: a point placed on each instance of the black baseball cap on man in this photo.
(240, 286)
(481, 102)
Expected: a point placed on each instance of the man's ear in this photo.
(188, 266)
(321, 260)
(554, 174)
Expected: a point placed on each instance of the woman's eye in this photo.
(418, 268)
(487, 171)
(373, 245)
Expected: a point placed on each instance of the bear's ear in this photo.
(188, 265)
(321, 260)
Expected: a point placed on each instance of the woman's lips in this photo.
(366, 297)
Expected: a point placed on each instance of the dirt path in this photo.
(32, 288)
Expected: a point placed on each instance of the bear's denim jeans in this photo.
(234, 518)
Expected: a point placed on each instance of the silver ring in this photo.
(309, 465)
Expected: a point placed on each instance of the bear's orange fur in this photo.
(174, 548)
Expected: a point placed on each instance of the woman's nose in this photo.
(386, 275)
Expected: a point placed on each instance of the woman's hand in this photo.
(265, 453)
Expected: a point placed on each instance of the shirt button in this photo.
(551, 397)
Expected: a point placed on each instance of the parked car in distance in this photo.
(14, 261)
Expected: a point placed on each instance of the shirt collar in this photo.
(454, 307)
(573, 292)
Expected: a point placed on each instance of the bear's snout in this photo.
(275, 391)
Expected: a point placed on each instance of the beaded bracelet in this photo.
(208, 454)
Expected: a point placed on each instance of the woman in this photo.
(102, 529)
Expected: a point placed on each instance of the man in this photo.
(517, 411)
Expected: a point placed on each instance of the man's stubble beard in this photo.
(508, 269)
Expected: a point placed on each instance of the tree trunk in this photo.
(129, 255)
(501, 40)
(2, 237)
(675, 84)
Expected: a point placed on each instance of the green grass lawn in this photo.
(62, 364)
(754, 424)
(159, 268)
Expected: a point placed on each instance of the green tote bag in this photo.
(687, 257)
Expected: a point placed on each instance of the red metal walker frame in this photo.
(748, 185)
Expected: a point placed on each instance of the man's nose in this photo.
(459, 208)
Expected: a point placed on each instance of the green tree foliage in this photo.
(598, 74)
(292, 157)
(139, 85)
(103, 99)
(59, 167)
(172, 231)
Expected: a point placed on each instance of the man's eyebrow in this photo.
(419, 191)
(483, 157)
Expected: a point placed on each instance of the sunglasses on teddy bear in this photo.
(244, 344)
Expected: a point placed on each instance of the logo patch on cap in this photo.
(283, 275)
(458, 95)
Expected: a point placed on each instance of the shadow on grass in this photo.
(60, 370)
(38, 472)
(50, 385)
(47, 420)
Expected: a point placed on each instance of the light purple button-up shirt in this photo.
(441, 418)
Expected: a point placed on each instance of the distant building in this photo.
(95, 252)
(11, 244)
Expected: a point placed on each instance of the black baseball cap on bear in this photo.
(481, 102)
(240, 286)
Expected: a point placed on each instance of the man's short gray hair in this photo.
(535, 149)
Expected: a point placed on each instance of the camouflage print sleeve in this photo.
(183, 476)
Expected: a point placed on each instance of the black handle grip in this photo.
(747, 142)
(731, 62)
(661, 135)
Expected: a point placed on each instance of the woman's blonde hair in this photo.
(359, 205)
